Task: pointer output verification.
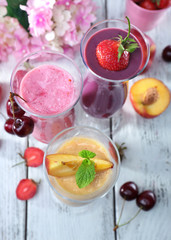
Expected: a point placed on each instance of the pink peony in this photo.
(39, 20)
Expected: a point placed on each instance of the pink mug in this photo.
(143, 18)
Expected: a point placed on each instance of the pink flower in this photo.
(39, 20)
(40, 3)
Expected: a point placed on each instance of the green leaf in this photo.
(86, 154)
(120, 51)
(85, 174)
(13, 10)
(131, 48)
(131, 40)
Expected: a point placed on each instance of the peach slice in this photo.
(62, 165)
(149, 97)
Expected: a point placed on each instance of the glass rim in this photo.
(107, 79)
(93, 198)
(50, 115)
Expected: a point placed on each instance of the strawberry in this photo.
(162, 3)
(148, 4)
(114, 54)
(33, 156)
(26, 189)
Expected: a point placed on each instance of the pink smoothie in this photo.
(48, 90)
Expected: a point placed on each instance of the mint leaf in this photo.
(86, 154)
(85, 174)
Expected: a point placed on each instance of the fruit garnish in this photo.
(33, 157)
(23, 126)
(63, 165)
(145, 200)
(113, 54)
(149, 97)
(26, 189)
(161, 3)
(166, 54)
(148, 4)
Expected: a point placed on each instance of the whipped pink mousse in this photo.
(47, 90)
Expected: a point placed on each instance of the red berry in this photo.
(23, 126)
(148, 4)
(146, 200)
(129, 191)
(33, 156)
(8, 126)
(107, 55)
(162, 4)
(26, 189)
(166, 54)
(18, 112)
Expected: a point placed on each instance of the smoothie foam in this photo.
(47, 90)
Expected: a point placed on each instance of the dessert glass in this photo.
(46, 126)
(86, 132)
(144, 19)
(104, 96)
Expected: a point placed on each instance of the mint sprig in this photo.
(86, 172)
(127, 44)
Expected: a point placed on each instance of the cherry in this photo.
(146, 200)
(166, 54)
(129, 191)
(23, 126)
(18, 112)
(8, 126)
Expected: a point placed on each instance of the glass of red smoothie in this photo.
(51, 85)
(105, 91)
(70, 142)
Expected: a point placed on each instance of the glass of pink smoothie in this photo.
(51, 85)
(105, 91)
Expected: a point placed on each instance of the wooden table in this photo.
(148, 163)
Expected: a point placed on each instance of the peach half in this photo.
(149, 97)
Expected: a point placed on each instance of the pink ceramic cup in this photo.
(143, 18)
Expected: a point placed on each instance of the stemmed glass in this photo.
(104, 91)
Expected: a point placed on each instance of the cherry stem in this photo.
(123, 204)
(15, 94)
(12, 104)
(130, 220)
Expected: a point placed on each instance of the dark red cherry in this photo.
(146, 200)
(18, 112)
(23, 126)
(166, 54)
(129, 191)
(8, 126)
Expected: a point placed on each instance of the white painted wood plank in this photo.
(12, 210)
(148, 161)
